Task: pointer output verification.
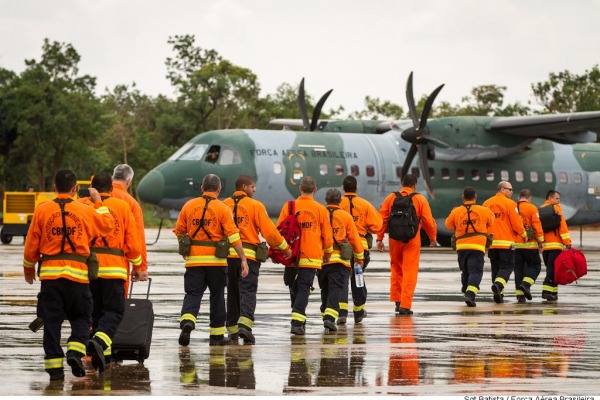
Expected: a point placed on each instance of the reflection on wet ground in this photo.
(444, 349)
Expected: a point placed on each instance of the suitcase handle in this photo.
(147, 293)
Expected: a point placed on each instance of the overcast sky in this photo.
(358, 48)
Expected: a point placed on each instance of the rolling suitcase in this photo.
(134, 336)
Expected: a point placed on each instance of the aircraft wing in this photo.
(577, 127)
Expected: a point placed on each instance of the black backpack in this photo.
(549, 218)
(403, 223)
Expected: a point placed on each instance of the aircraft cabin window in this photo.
(415, 171)
(323, 169)
(432, 173)
(489, 175)
(229, 156)
(339, 170)
(519, 177)
(548, 177)
(277, 168)
(504, 175)
(399, 172)
(577, 178)
(354, 171)
(370, 171)
(533, 176)
(445, 173)
(562, 177)
(189, 151)
(460, 174)
(475, 174)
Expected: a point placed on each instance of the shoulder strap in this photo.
(63, 213)
(351, 205)
(236, 200)
(201, 223)
(331, 211)
(291, 207)
(469, 222)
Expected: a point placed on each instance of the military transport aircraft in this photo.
(541, 153)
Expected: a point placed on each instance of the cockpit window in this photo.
(229, 156)
(189, 151)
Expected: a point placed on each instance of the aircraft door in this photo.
(296, 162)
(386, 164)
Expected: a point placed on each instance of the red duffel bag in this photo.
(569, 266)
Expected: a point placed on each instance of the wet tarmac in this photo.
(445, 348)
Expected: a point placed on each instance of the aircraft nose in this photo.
(151, 187)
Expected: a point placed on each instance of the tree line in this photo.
(52, 118)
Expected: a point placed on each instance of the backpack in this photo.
(569, 266)
(549, 218)
(289, 228)
(403, 223)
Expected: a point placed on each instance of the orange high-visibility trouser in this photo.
(404, 267)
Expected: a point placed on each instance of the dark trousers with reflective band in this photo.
(359, 294)
(196, 280)
(549, 258)
(333, 281)
(470, 263)
(241, 292)
(503, 264)
(527, 265)
(304, 281)
(109, 306)
(62, 299)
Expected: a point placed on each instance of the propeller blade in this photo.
(436, 141)
(408, 160)
(317, 110)
(410, 99)
(425, 168)
(428, 105)
(302, 106)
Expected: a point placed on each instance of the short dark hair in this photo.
(551, 193)
(243, 180)
(308, 184)
(333, 196)
(102, 182)
(409, 180)
(64, 180)
(350, 184)
(211, 183)
(525, 193)
(469, 193)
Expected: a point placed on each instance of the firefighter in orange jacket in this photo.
(316, 246)
(207, 221)
(553, 246)
(251, 218)
(114, 252)
(59, 237)
(122, 178)
(333, 276)
(404, 257)
(368, 222)
(507, 228)
(472, 224)
(528, 264)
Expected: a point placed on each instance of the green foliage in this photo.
(565, 92)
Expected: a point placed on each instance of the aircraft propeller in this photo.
(312, 124)
(418, 135)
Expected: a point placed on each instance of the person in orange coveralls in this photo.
(553, 246)
(122, 178)
(316, 246)
(251, 218)
(59, 237)
(114, 252)
(507, 228)
(207, 221)
(404, 257)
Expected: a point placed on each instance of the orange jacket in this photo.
(217, 221)
(554, 240)
(317, 235)
(530, 217)
(366, 217)
(421, 207)
(344, 228)
(508, 226)
(120, 192)
(123, 237)
(482, 220)
(252, 219)
(45, 237)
